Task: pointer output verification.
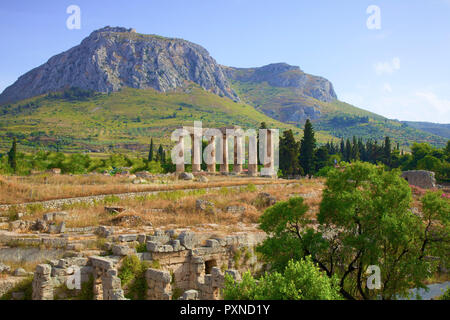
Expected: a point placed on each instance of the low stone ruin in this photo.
(186, 266)
(420, 178)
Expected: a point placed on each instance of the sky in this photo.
(391, 57)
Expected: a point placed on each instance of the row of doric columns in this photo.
(238, 158)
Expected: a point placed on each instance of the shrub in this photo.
(301, 280)
(446, 295)
(132, 274)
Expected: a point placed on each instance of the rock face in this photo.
(112, 58)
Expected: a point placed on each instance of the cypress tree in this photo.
(387, 151)
(150, 153)
(289, 154)
(355, 149)
(307, 149)
(161, 154)
(12, 156)
(348, 150)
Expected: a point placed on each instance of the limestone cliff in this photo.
(111, 58)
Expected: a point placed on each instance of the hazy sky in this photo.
(401, 70)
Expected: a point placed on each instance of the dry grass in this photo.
(178, 208)
(15, 190)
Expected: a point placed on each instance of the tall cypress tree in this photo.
(289, 154)
(307, 149)
(12, 155)
(161, 154)
(355, 149)
(387, 151)
(150, 153)
(348, 151)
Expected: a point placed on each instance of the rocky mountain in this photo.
(284, 75)
(112, 58)
(282, 91)
(122, 62)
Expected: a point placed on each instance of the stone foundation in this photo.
(190, 266)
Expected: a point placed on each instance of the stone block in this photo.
(43, 269)
(190, 295)
(122, 250)
(212, 243)
(188, 239)
(127, 237)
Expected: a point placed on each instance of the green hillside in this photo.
(337, 118)
(125, 120)
(439, 129)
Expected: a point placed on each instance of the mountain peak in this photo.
(283, 75)
(115, 57)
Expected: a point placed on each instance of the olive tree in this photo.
(365, 220)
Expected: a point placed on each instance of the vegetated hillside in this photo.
(337, 118)
(81, 120)
(175, 82)
(438, 129)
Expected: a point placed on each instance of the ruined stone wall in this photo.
(186, 264)
(159, 284)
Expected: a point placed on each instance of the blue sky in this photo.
(401, 70)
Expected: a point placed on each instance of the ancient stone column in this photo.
(196, 153)
(180, 166)
(269, 166)
(42, 286)
(238, 154)
(252, 155)
(224, 165)
(212, 143)
(98, 285)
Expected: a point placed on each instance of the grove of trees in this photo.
(306, 158)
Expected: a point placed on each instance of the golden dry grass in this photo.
(16, 189)
(178, 208)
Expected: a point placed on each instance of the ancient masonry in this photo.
(420, 178)
(221, 137)
(185, 265)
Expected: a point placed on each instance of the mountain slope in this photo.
(438, 129)
(292, 105)
(113, 58)
(282, 91)
(119, 87)
(125, 119)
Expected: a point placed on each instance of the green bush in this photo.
(446, 295)
(324, 172)
(301, 280)
(132, 275)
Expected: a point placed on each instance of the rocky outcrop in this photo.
(112, 58)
